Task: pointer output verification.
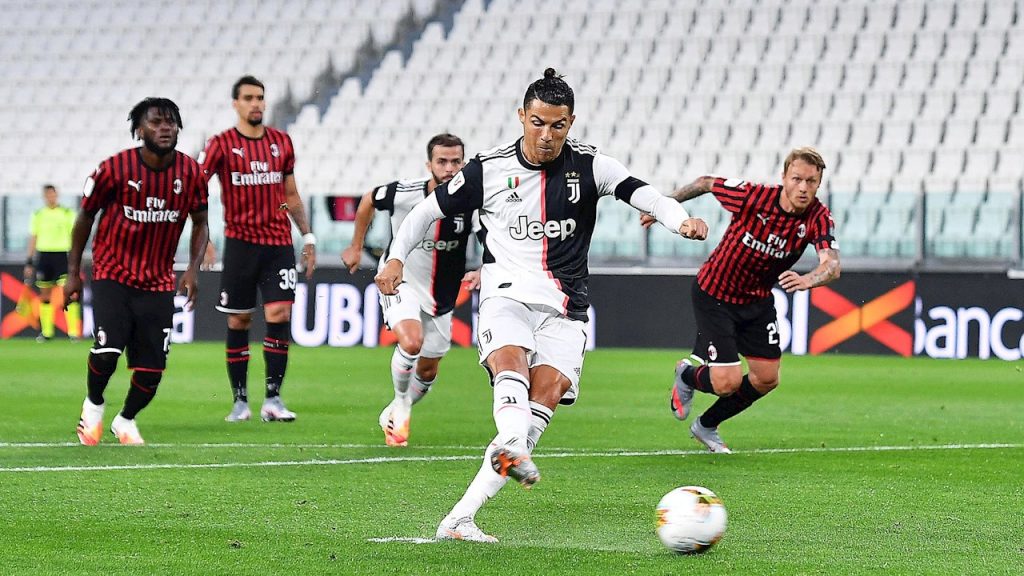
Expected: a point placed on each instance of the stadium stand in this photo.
(915, 105)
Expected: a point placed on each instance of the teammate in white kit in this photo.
(537, 200)
(421, 317)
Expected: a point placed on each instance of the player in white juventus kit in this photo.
(537, 200)
(421, 316)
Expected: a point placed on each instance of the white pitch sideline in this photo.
(271, 445)
(540, 454)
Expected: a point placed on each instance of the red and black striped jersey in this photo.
(761, 242)
(252, 172)
(143, 214)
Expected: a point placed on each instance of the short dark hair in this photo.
(164, 105)
(443, 139)
(550, 89)
(49, 187)
(245, 81)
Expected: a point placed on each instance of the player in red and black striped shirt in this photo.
(255, 165)
(142, 196)
(770, 228)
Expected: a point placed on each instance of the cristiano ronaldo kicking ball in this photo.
(690, 520)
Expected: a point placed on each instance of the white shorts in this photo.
(550, 338)
(437, 330)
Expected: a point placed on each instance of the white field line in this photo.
(403, 539)
(233, 445)
(540, 455)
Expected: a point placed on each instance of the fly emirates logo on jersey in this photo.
(153, 212)
(259, 174)
(774, 246)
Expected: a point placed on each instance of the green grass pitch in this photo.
(855, 465)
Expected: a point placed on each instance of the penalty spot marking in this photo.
(541, 455)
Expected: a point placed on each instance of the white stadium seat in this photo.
(681, 87)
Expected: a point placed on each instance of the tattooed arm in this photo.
(696, 188)
(827, 270)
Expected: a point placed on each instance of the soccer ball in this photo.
(690, 519)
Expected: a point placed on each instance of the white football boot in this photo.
(462, 529)
(90, 424)
(273, 410)
(127, 431)
(239, 412)
(709, 437)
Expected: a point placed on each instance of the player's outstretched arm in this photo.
(657, 208)
(79, 237)
(189, 283)
(827, 270)
(698, 187)
(298, 213)
(690, 191)
(364, 216)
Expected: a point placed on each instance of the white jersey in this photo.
(435, 268)
(538, 220)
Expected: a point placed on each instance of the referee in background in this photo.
(48, 245)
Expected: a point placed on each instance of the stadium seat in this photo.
(895, 134)
(958, 133)
(876, 106)
(686, 87)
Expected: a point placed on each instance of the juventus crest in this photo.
(572, 182)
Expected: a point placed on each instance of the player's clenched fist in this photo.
(694, 229)
(389, 278)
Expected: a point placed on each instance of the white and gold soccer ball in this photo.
(691, 519)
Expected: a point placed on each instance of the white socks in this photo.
(418, 388)
(511, 408)
(484, 486)
(402, 365)
(541, 417)
(487, 482)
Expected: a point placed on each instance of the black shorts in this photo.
(724, 330)
(137, 320)
(51, 269)
(250, 266)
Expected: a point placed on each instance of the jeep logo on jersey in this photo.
(439, 245)
(572, 180)
(535, 230)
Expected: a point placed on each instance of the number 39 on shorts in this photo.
(289, 277)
